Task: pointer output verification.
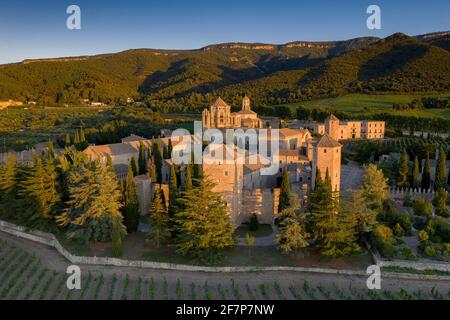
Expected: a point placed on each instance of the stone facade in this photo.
(327, 157)
(346, 130)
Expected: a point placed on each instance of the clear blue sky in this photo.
(37, 29)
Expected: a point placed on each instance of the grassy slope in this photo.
(355, 103)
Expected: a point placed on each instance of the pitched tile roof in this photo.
(328, 142)
(332, 117)
(111, 149)
(220, 103)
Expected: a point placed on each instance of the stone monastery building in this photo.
(220, 116)
(244, 185)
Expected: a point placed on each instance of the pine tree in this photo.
(402, 178)
(8, 188)
(204, 225)
(284, 201)
(40, 194)
(134, 166)
(159, 220)
(426, 175)
(68, 141)
(333, 229)
(131, 204)
(415, 176)
(93, 204)
(440, 176)
(292, 234)
(142, 160)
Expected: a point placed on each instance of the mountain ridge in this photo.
(184, 79)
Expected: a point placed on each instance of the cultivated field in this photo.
(30, 271)
(367, 104)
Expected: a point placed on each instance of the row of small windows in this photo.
(325, 150)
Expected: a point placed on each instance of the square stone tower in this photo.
(332, 127)
(327, 155)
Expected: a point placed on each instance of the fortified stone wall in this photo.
(263, 202)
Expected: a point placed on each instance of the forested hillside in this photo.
(270, 74)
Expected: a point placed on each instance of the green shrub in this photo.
(382, 238)
(423, 208)
(398, 230)
(423, 236)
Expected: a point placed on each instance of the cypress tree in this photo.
(448, 178)
(134, 166)
(149, 151)
(440, 175)
(426, 176)
(51, 149)
(402, 178)
(131, 203)
(142, 160)
(159, 220)
(158, 160)
(68, 141)
(204, 226)
(76, 140)
(83, 142)
(169, 149)
(415, 176)
(116, 237)
(440, 203)
(151, 169)
(188, 178)
(82, 136)
(173, 198)
(284, 201)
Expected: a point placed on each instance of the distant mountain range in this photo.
(268, 73)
